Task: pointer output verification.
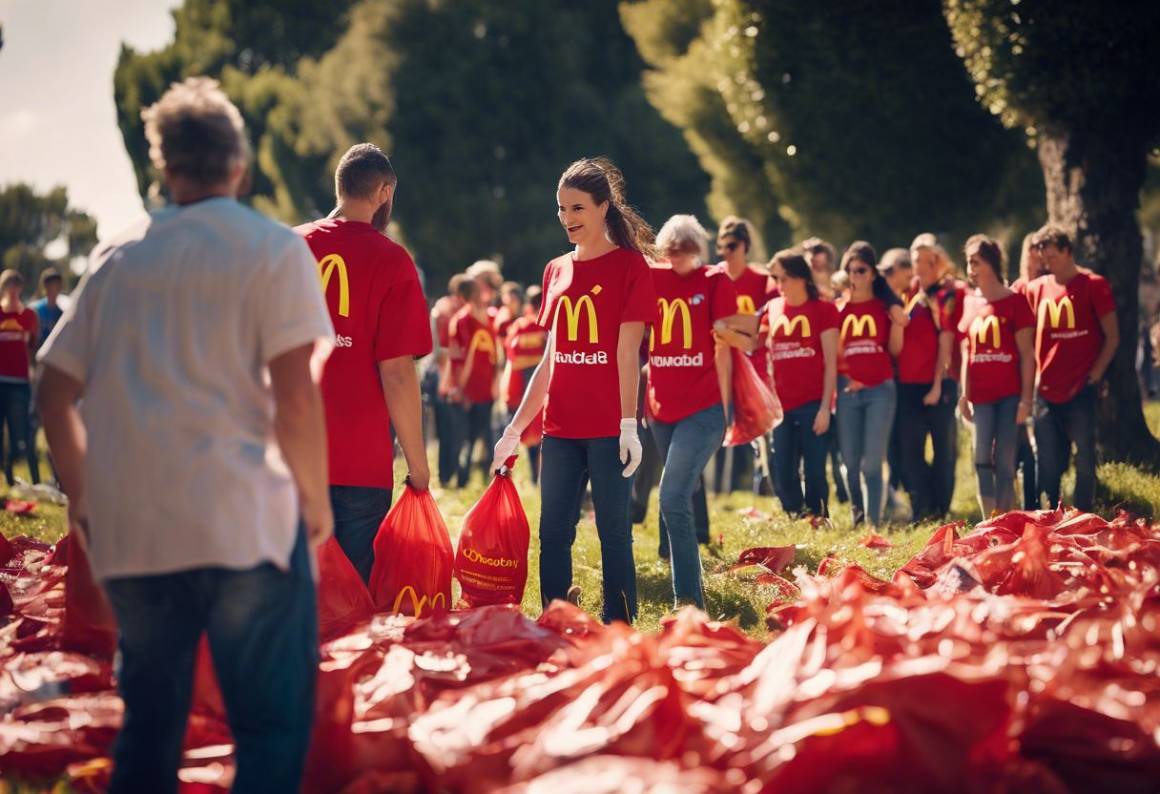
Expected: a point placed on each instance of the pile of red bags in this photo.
(1022, 656)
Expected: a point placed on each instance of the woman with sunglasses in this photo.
(688, 385)
(754, 289)
(597, 300)
(804, 348)
(871, 331)
(998, 373)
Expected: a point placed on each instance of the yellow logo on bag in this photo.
(786, 326)
(481, 341)
(494, 562)
(572, 316)
(745, 305)
(1053, 311)
(859, 325)
(327, 267)
(419, 602)
(980, 326)
(669, 312)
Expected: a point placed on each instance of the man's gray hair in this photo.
(194, 131)
(683, 233)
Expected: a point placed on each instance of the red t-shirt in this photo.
(379, 313)
(1068, 334)
(475, 341)
(862, 340)
(992, 354)
(17, 331)
(585, 301)
(930, 312)
(524, 348)
(502, 321)
(795, 341)
(682, 365)
(754, 290)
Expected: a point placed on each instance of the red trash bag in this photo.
(343, 600)
(491, 562)
(756, 409)
(89, 625)
(413, 558)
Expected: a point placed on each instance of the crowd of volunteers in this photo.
(202, 332)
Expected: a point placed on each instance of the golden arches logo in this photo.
(859, 325)
(745, 305)
(914, 301)
(1053, 311)
(481, 341)
(980, 327)
(572, 316)
(418, 602)
(669, 312)
(786, 326)
(327, 267)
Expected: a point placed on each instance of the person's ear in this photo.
(386, 192)
(604, 209)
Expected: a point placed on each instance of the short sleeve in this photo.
(1101, 296)
(292, 310)
(402, 328)
(68, 347)
(640, 299)
(950, 308)
(1024, 318)
(827, 316)
(724, 297)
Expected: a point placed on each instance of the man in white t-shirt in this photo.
(185, 355)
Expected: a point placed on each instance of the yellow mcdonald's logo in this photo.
(914, 301)
(1053, 311)
(572, 316)
(980, 326)
(438, 601)
(669, 311)
(327, 267)
(860, 325)
(745, 305)
(786, 326)
(481, 340)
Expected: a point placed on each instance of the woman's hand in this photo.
(935, 394)
(965, 409)
(898, 316)
(822, 421)
(1023, 413)
(854, 386)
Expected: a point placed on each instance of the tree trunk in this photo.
(1093, 181)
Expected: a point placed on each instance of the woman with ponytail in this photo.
(871, 332)
(598, 298)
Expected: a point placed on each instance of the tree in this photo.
(38, 231)
(855, 116)
(1081, 80)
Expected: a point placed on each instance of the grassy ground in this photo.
(728, 595)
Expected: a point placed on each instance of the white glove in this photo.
(508, 445)
(630, 449)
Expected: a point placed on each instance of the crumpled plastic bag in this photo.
(413, 558)
(343, 599)
(491, 561)
(756, 408)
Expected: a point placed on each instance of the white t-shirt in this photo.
(170, 331)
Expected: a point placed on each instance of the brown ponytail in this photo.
(602, 180)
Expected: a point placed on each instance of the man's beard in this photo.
(382, 217)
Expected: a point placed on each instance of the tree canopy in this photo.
(41, 230)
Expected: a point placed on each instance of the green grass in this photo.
(728, 595)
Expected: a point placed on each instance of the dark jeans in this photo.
(1057, 427)
(568, 464)
(835, 452)
(474, 424)
(931, 485)
(447, 432)
(1025, 462)
(686, 447)
(263, 636)
(996, 436)
(358, 512)
(794, 440)
(15, 400)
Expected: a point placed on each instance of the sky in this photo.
(58, 124)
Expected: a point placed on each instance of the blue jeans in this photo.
(474, 424)
(263, 635)
(996, 437)
(864, 422)
(685, 448)
(793, 440)
(15, 400)
(567, 465)
(931, 485)
(358, 512)
(1057, 427)
(446, 430)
